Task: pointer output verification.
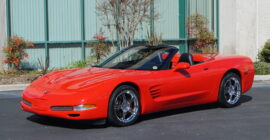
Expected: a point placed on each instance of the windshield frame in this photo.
(164, 66)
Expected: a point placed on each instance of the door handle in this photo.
(206, 69)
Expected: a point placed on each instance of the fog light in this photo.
(84, 107)
(27, 103)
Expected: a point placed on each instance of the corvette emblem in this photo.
(46, 92)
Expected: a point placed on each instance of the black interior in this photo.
(187, 57)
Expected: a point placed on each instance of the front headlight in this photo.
(84, 107)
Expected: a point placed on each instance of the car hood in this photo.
(78, 79)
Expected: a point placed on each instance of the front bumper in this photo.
(42, 107)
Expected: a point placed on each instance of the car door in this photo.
(184, 86)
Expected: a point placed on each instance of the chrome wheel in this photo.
(232, 90)
(126, 106)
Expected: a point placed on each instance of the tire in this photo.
(124, 106)
(230, 91)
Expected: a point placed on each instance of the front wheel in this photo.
(124, 106)
(230, 91)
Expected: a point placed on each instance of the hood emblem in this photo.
(45, 92)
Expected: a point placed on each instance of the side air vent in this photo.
(155, 91)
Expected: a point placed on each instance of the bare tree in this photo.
(124, 17)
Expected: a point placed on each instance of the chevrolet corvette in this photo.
(140, 80)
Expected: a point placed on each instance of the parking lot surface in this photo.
(249, 121)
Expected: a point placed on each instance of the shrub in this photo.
(197, 26)
(154, 39)
(99, 47)
(44, 67)
(90, 61)
(15, 51)
(262, 68)
(79, 64)
(264, 55)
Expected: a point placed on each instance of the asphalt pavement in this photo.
(249, 121)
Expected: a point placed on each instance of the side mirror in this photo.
(182, 66)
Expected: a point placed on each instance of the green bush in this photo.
(264, 55)
(262, 68)
(78, 64)
(91, 60)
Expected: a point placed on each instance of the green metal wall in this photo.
(205, 7)
(61, 55)
(27, 19)
(61, 28)
(168, 22)
(91, 26)
(36, 55)
(64, 20)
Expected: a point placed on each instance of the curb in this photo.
(16, 87)
(258, 78)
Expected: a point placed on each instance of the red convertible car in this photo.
(140, 80)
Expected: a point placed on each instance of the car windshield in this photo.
(140, 58)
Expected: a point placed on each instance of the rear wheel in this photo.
(124, 106)
(230, 91)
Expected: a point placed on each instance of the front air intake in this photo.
(62, 108)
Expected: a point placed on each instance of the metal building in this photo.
(61, 28)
